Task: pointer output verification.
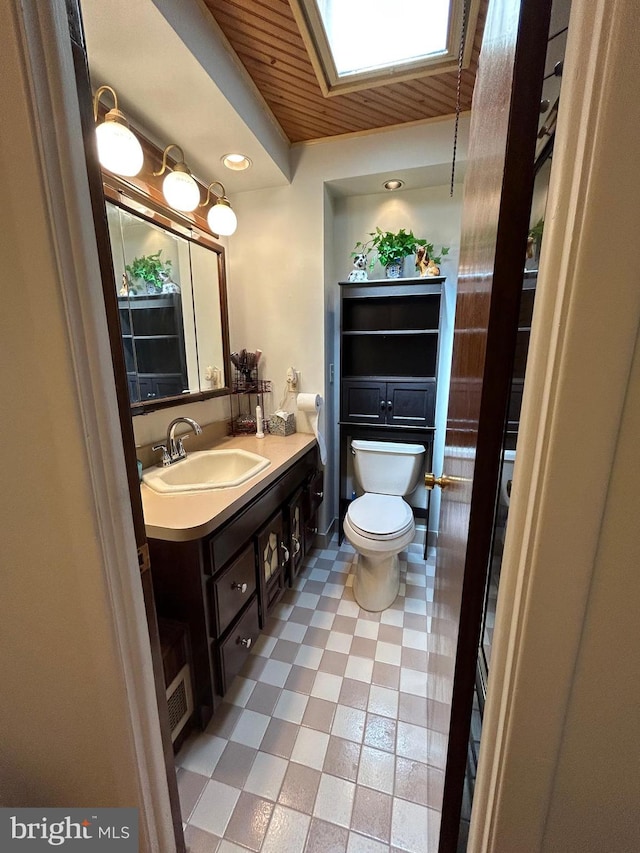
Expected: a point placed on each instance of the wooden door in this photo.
(94, 175)
(495, 223)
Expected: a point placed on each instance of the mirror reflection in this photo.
(171, 305)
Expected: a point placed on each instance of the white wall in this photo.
(282, 280)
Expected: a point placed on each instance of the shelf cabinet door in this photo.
(411, 404)
(364, 401)
(273, 558)
(295, 538)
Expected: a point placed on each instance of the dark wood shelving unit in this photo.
(389, 348)
(153, 340)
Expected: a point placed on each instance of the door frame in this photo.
(582, 346)
(49, 82)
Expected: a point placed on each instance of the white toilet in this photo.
(380, 523)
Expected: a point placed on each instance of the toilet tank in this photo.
(387, 468)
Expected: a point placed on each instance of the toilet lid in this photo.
(380, 516)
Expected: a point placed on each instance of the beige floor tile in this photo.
(234, 764)
(287, 831)
(342, 758)
(299, 788)
(372, 814)
(326, 837)
(249, 821)
(279, 738)
(199, 841)
(190, 786)
(319, 714)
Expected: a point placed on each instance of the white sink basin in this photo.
(206, 469)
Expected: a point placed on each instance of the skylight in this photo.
(357, 44)
(365, 35)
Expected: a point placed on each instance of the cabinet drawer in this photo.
(233, 588)
(236, 648)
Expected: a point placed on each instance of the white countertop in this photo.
(191, 515)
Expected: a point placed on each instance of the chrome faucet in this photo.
(173, 450)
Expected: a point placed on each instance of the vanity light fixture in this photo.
(393, 184)
(221, 218)
(119, 150)
(179, 186)
(236, 162)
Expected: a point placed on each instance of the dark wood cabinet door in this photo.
(295, 537)
(411, 404)
(364, 401)
(273, 558)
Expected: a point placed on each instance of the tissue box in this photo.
(282, 423)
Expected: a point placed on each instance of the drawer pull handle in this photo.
(319, 495)
(241, 587)
(286, 553)
(246, 642)
(298, 546)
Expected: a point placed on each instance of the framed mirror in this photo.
(172, 305)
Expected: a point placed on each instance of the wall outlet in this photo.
(293, 378)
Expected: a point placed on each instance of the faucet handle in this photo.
(180, 451)
(166, 458)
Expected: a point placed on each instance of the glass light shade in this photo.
(181, 191)
(222, 220)
(118, 149)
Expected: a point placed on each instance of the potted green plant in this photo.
(534, 240)
(151, 270)
(391, 249)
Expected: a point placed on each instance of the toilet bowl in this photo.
(506, 476)
(380, 524)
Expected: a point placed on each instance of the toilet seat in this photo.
(380, 517)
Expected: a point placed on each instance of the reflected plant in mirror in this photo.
(149, 274)
(171, 306)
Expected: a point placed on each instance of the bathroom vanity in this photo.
(220, 558)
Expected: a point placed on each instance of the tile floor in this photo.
(333, 738)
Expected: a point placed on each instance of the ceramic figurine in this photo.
(359, 271)
(427, 266)
(432, 268)
(422, 261)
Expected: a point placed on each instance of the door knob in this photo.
(431, 481)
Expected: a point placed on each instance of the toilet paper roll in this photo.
(312, 404)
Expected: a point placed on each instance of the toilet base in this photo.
(376, 582)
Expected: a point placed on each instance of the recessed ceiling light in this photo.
(236, 162)
(393, 184)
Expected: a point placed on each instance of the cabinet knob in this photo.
(246, 642)
(319, 495)
(241, 587)
(389, 405)
(296, 545)
(382, 405)
(286, 553)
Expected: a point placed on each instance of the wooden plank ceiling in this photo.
(267, 40)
